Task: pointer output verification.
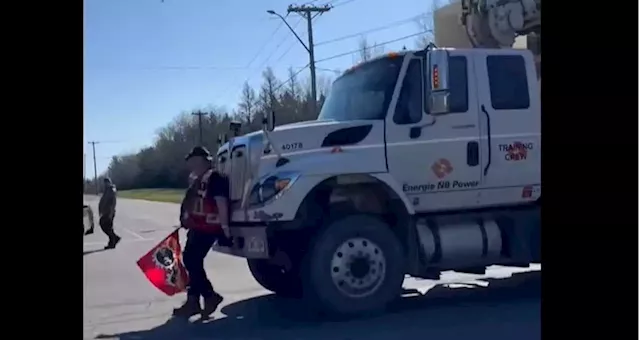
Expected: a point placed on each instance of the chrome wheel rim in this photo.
(358, 267)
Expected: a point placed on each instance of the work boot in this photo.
(114, 243)
(189, 308)
(211, 304)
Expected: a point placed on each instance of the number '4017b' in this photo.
(292, 146)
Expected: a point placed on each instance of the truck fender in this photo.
(311, 216)
(397, 188)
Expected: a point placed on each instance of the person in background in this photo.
(107, 211)
(205, 214)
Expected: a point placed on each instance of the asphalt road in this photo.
(119, 303)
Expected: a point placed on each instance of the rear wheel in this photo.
(276, 278)
(354, 266)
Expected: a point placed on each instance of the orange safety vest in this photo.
(204, 213)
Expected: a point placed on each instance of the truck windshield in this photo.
(363, 93)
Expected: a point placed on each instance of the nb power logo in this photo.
(442, 168)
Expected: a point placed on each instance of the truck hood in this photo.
(313, 148)
(297, 137)
(310, 146)
(307, 136)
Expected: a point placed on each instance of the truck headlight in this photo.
(271, 187)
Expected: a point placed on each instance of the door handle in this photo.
(486, 114)
(473, 154)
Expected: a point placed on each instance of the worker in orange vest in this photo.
(205, 214)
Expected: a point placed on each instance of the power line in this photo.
(266, 42)
(199, 114)
(165, 68)
(309, 13)
(373, 46)
(376, 29)
(95, 166)
(333, 4)
(219, 68)
(291, 77)
(285, 52)
(264, 63)
(300, 69)
(274, 50)
(390, 25)
(283, 40)
(315, 18)
(327, 70)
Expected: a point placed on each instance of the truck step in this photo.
(428, 274)
(474, 270)
(519, 264)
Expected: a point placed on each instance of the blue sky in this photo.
(146, 61)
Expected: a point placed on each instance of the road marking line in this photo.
(134, 234)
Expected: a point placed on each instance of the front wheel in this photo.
(275, 278)
(354, 266)
(87, 220)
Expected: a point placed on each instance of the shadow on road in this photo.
(506, 309)
(88, 252)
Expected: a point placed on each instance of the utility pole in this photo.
(306, 12)
(95, 167)
(199, 114)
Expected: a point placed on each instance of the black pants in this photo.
(106, 224)
(197, 247)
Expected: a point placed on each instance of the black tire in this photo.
(535, 245)
(275, 278)
(534, 237)
(319, 288)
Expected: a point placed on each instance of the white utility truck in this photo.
(419, 162)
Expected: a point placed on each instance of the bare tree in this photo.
(161, 165)
(268, 89)
(246, 107)
(291, 109)
(425, 23)
(293, 86)
(367, 51)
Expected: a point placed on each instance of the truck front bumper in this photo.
(248, 242)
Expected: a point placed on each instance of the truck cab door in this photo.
(436, 159)
(509, 107)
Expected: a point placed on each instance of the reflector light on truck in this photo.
(436, 81)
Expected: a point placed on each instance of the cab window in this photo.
(409, 107)
(458, 83)
(508, 82)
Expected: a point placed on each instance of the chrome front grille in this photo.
(242, 167)
(239, 164)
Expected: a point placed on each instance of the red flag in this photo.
(162, 265)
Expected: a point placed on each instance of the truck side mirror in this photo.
(271, 121)
(234, 127)
(437, 73)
